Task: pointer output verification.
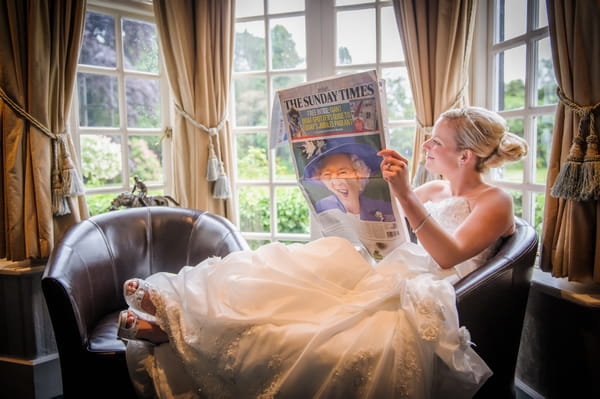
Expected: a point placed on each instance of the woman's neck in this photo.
(466, 185)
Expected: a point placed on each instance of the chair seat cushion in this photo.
(103, 337)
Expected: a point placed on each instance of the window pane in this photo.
(250, 102)
(140, 46)
(292, 210)
(544, 125)
(284, 167)
(252, 160)
(399, 96)
(402, 140)
(145, 158)
(538, 217)
(511, 19)
(545, 79)
(278, 6)
(517, 202)
(98, 100)
(512, 171)
(287, 81)
(288, 44)
(98, 45)
(356, 37)
(248, 8)
(391, 46)
(143, 102)
(542, 17)
(101, 160)
(254, 209)
(511, 73)
(249, 47)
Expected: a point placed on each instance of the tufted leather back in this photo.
(84, 276)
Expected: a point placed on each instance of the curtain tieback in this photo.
(215, 168)
(65, 179)
(579, 176)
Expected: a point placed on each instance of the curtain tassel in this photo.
(212, 167)
(222, 188)
(579, 177)
(60, 204)
(71, 182)
(590, 182)
(568, 181)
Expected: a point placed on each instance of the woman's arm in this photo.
(491, 215)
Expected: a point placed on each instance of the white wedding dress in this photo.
(312, 320)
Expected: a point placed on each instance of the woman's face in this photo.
(339, 176)
(442, 154)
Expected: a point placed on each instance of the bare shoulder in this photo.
(495, 206)
(433, 190)
(495, 197)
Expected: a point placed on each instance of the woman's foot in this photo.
(131, 327)
(137, 295)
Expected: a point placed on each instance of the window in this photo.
(522, 88)
(280, 44)
(119, 106)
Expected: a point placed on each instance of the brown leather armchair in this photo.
(83, 281)
(491, 304)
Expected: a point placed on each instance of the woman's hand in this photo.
(394, 169)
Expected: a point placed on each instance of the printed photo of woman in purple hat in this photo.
(344, 166)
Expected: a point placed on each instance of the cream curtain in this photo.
(570, 230)
(39, 47)
(436, 37)
(197, 42)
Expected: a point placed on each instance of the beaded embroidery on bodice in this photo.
(450, 213)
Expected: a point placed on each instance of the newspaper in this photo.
(334, 128)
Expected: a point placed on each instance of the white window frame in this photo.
(141, 11)
(321, 61)
(484, 70)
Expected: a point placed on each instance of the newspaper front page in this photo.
(335, 127)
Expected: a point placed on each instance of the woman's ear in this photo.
(466, 156)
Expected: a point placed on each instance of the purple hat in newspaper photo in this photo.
(364, 152)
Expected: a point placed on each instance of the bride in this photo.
(317, 320)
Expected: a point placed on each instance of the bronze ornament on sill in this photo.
(138, 197)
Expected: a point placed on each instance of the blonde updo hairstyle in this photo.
(484, 132)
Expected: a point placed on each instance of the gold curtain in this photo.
(40, 46)
(437, 38)
(197, 41)
(570, 230)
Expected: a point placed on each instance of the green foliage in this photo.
(254, 209)
(251, 102)
(292, 212)
(285, 55)
(344, 57)
(143, 161)
(400, 103)
(249, 53)
(100, 160)
(99, 203)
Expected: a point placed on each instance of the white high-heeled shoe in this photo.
(155, 335)
(128, 333)
(135, 299)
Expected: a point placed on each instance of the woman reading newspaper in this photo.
(317, 320)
